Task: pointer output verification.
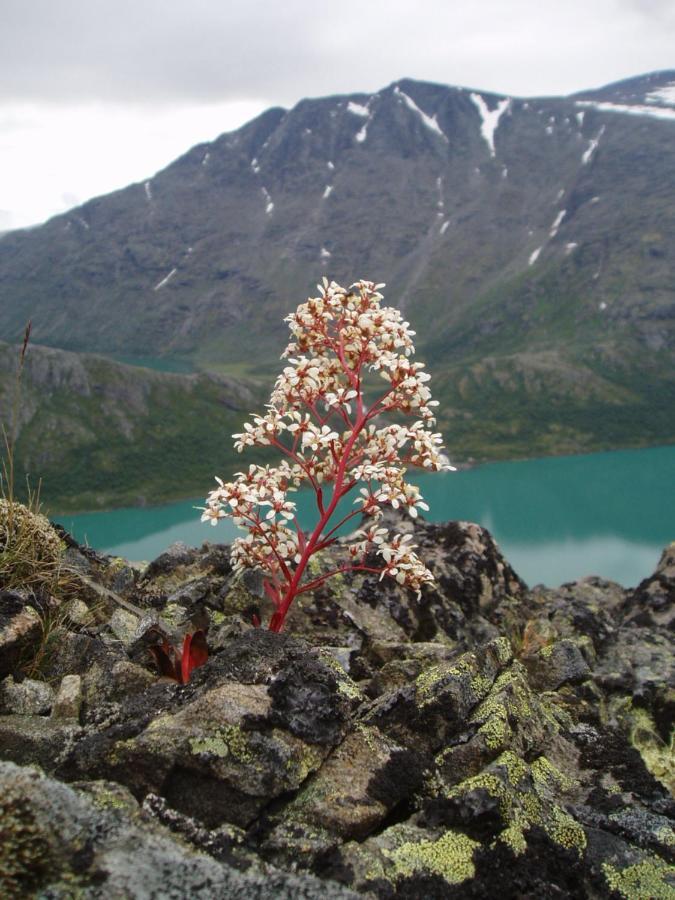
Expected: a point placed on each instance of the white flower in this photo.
(333, 440)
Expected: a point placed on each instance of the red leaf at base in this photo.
(195, 653)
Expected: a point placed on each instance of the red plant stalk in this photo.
(344, 334)
(178, 663)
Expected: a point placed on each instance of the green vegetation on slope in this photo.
(100, 434)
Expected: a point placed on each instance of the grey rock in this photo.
(36, 740)
(557, 664)
(78, 612)
(26, 698)
(487, 741)
(124, 625)
(20, 630)
(68, 700)
(178, 554)
(122, 858)
(653, 600)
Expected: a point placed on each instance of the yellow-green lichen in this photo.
(511, 696)
(345, 685)
(488, 782)
(565, 830)
(503, 650)
(368, 732)
(104, 798)
(480, 685)
(238, 599)
(658, 756)
(430, 678)
(666, 836)
(302, 765)
(496, 731)
(229, 740)
(514, 835)
(159, 723)
(517, 769)
(546, 774)
(651, 879)
(450, 857)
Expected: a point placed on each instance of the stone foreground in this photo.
(487, 740)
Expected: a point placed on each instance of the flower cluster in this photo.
(333, 441)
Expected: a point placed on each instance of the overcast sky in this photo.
(95, 94)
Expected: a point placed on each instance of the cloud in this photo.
(95, 94)
(57, 156)
(164, 51)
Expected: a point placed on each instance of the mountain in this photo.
(529, 241)
(98, 433)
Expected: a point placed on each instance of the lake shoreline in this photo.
(558, 518)
(460, 466)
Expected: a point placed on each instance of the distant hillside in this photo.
(98, 433)
(530, 242)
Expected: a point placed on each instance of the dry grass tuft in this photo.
(31, 551)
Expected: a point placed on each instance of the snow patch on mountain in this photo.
(490, 118)
(427, 120)
(362, 134)
(269, 205)
(588, 153)
(655, 112)
(165, 280)
(357, 109)
(556, 223)
(664, 95)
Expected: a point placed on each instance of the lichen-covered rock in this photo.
(481, 741)
(100, 849)
(36, 740)
(351, 794)
(556, 664)
(428, 712)
(25, 698)
(653, 600)
(123, 625)
(223, 747)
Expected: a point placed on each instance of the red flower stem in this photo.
(280, 560)
(297, 460)
(355, 512)
(277, 621)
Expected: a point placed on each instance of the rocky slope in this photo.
(528, 240)
(97, 433)
(485, 740)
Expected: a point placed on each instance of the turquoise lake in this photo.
(555, 519)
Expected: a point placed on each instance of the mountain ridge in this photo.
(528, 240)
